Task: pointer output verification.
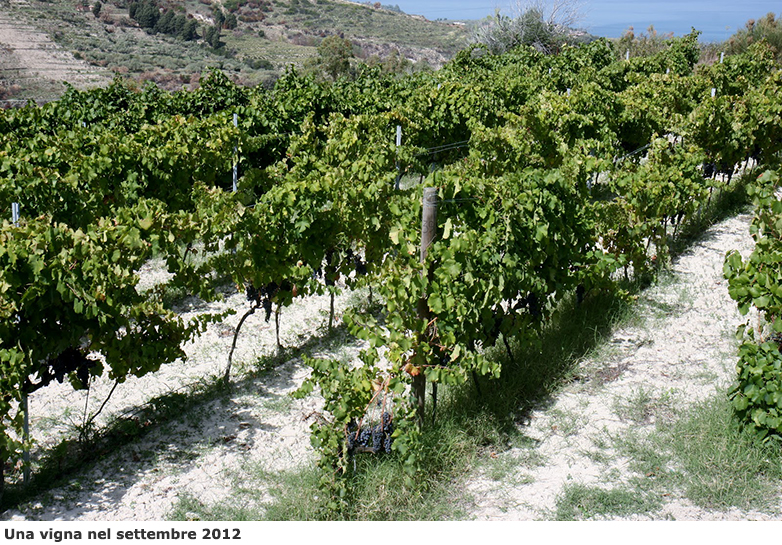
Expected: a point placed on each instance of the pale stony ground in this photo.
(30, 58)
(681, 350)
(204, 453)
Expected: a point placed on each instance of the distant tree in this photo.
(96, 9)
(178, 24)
(218, 16)
(147, 14)
(212, 37)
(230, 21)
(334, 54)
(165, 25)
(208, 32)
(396, 63)
(189, 30)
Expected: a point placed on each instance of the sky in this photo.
(717, 19)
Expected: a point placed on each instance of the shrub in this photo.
(767, 28)
(643, 45)
(533, 24)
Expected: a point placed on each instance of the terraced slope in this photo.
(32, 64)
(44, 42)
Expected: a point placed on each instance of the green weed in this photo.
(579, 502)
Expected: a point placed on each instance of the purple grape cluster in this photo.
(374, 439)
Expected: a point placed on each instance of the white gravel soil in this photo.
(205, 452)
(683, 351)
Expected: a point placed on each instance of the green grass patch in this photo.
(294, 494)
(580, 502)
(707, 457)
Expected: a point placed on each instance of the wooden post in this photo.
(428, 231)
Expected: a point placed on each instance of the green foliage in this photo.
(755, 283)
(668, 187)
(652, 44)
(334, 54)
(51, 275)
(542, 192)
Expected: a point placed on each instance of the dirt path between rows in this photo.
(684, 350)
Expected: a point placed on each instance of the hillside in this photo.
(45, 43)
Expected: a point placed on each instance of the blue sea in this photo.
(716, 19)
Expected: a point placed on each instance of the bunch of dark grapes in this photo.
(358, 264)
(252, 293)
(69, 360)
(387, 426)
(267, 308)
(443, 359)
(364, 437)
(496, 325)
(379, 436)
(264, 295)
(351, 436)
(580, 293)
(756, 153)
(676, 219)
(330, 274)
(727, 169)
(531, 303)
